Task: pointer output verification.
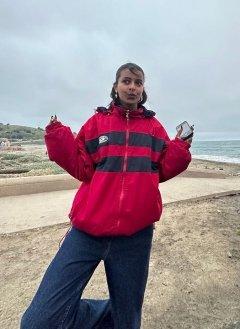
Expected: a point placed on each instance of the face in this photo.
(130, 88)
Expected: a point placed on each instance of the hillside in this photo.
(14, 132)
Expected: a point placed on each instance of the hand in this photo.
(179, 133)
(53, 119)
(188, 140)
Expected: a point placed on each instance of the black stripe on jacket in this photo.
(113, 138)
(119, 138)
(134, 164)
(140, 139)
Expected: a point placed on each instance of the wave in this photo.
(217, 158)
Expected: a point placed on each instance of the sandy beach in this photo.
(194, 277)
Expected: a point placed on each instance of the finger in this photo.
(179, 132)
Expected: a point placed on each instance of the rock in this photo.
(234, 325)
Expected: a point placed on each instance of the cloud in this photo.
(62, 58)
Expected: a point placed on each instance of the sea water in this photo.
(221, 151)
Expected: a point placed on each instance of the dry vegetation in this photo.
(32, 160)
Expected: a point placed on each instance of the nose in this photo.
(132, 86)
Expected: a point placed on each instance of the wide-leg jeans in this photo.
(58, 304)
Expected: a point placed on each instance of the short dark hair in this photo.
(132, 68)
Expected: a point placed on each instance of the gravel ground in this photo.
(194, 277)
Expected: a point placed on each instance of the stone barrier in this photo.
(37, 184)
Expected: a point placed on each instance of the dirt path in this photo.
(194, 279)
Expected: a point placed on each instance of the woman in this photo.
(120, 154)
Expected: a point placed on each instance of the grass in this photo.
(10, 156)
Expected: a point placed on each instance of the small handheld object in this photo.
(53, 118)
(187, 130)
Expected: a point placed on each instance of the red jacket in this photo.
(120, 156)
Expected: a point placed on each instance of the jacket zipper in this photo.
(124, 166)
(127, 138)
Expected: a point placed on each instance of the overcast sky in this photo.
(61, 57)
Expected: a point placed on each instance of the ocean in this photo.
(221, 151)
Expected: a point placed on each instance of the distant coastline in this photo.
(214, 158)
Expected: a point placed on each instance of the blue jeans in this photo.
(58, 303)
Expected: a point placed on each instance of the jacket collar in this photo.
(123, 111)
(141, 112)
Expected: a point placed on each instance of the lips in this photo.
(131, 96)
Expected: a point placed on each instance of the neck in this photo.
(129, 106)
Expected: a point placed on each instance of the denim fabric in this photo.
(58, 303)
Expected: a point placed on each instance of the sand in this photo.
(215, 168)
(194, 279)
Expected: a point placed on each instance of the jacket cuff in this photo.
(52, 126)
(183, 143)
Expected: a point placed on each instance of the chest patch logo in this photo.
(103, 139)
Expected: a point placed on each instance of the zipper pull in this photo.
(127, 114)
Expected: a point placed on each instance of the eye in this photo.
(139, 83)
(126, 81)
